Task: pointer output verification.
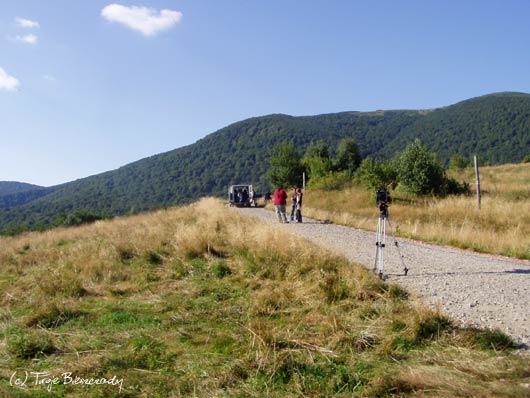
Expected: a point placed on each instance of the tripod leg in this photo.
(377, 243)
(405, 269)
(382, 248)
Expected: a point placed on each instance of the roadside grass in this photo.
(502, 226)
(200, 302)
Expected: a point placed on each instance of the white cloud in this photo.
(8, 83)
(149, 21)
(30, 39)
(26, 23)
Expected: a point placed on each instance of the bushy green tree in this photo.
(285, 165)
(317, 160)
(348, 157)
(375, 174)
(419, 171)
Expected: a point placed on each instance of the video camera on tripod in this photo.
(383, 199)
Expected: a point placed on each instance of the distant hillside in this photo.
(497, 127)
(8, 187)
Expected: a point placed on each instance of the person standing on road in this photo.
(280, 200)
(299, 205)
(293, 204)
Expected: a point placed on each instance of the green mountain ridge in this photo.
(13, 187)
(495, 126)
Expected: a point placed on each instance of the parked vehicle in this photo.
(241, 195)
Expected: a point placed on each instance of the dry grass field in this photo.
(200, 302)
(502, 226)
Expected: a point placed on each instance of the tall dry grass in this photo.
(200, 301)
(501, 226)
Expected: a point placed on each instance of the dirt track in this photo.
(475, 289)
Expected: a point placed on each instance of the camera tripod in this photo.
(381, 241)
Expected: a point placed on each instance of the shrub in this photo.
(331, 181)
(375, 174)
(419, 171)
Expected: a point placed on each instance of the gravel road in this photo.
(474, 289)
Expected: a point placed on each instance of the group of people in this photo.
(241, 195)
(280, 203)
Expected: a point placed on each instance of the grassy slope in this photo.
(200, 302)
(502, 226)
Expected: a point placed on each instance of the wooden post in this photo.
(303, 180)
(478, 181)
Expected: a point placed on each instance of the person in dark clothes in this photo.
(293, 204)
(299, 195)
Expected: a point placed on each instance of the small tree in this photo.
(419, 171)
(375, 174)
(348, 156)
(317, 160)
(285, 165)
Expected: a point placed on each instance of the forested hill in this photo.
(497, 127)
(13, 193)
(7, 187)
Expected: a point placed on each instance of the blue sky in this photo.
(88, 86)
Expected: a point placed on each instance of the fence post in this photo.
(478, 181)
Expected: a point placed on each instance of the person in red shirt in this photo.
(280, 200)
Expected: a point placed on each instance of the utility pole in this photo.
(478, 181)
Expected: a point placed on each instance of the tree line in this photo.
(415, 170)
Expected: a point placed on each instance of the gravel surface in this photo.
(474, 289)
